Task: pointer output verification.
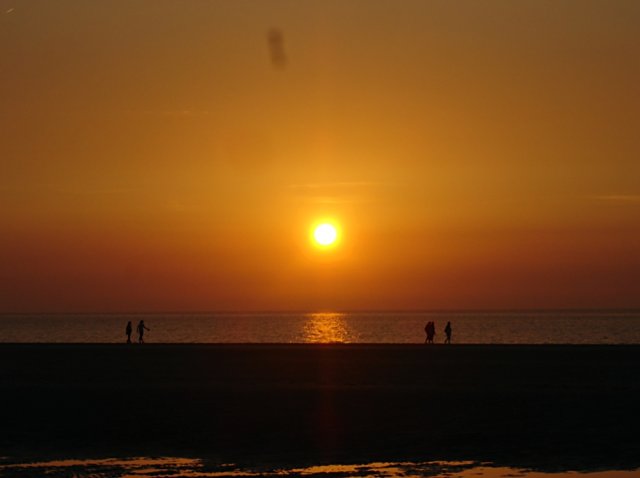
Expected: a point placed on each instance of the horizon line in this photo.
(349, 311)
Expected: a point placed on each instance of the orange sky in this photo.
(153, 157)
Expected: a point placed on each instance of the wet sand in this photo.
(545, 407)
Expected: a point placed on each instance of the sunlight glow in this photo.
(325, 234)
(326, 328)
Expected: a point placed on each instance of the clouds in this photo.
(339, 192)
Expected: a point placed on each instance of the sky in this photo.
(165, 155)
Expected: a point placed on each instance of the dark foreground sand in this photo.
(546, 407)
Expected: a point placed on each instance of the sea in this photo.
(469, 327)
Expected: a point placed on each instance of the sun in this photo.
(325, 234)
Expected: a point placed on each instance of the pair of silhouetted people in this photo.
(141, 328)
(430, 330)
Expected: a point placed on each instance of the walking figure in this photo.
(128, 331)
(141, 329)
(447, 331)
(430, 330)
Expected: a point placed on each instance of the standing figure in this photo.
(447, 331)
(430, 330)
(141, 329)
(128, 331)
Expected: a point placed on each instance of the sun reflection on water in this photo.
(192, 468)
(326, 328)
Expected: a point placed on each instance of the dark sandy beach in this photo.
(545, 407)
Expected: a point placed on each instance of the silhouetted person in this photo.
(430, 330)
(447, 331)
(141, 329)
(128, 331)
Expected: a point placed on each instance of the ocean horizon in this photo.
(469, 327)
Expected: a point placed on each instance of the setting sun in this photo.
(325, 234)
(307, 230)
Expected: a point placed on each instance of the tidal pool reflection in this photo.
(186, 467)
(326, 328)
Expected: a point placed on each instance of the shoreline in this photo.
(545, 407)
(293, 345)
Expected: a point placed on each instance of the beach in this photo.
(550, 407)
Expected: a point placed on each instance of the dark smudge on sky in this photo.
(277, 54)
